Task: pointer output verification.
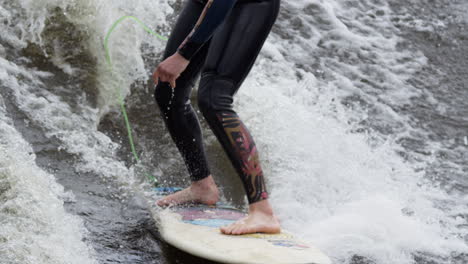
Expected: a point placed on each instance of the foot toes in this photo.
(249, 226)
(225, 230)
(237, 230)
(161, 203)
(229, 228)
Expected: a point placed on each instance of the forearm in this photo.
(214, 13)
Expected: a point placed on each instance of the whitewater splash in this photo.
(35, 226)
(320, 102)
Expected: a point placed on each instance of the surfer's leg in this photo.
(232, 52)
(180, 118)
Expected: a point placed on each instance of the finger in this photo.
(173, 82)
(161, 76)
(156, 77)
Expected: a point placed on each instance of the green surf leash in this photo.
(121, 100)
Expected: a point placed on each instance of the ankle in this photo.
(262, 207)
(204, 183)
(205, 186)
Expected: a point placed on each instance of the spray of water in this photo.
(320, 102)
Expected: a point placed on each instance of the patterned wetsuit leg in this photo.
(176, 110)
(231, 54)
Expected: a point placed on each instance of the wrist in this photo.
(181, 56)
(189, 48)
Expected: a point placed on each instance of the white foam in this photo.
(336, 190)
(348, 193)
(35, 226)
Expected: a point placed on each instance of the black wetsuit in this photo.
(222, 39)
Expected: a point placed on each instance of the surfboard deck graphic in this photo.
(195, 230)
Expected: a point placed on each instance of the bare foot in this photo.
(260, 220)
(202, 191)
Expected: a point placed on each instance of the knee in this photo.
(204, 102)
(215, 94)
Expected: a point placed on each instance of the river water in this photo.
(359, 110)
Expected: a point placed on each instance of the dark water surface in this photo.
(121, 228)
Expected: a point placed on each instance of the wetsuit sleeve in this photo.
(213, 15)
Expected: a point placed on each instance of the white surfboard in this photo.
(195, 230)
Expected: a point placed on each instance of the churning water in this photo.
(359, 109)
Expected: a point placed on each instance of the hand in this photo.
(170, 69)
